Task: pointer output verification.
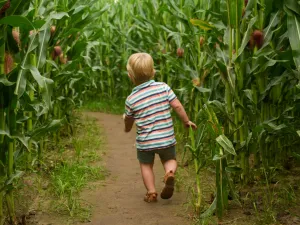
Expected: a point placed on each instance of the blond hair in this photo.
(141, 67)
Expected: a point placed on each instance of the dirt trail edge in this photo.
(119, 200)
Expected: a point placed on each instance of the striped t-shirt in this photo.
(149, 105)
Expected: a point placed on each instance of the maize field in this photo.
(234, 64)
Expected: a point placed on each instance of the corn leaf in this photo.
(233, 169)
(21, 83)
(177, 10)
(17, 21)
(16, 5)
(210, 210)
(52, 126)
(236, 8)
(21, 138)
(226, 144)
(18, 136)
(44, 83)
(4, 81)
(44, 37)
(293, 5)
(296, 155)
(21, 80)
(40, 108)
(79, 8)
(53, 16)
(57, 16)
(13, 177)
(294, 36)
(52, 63)
(269, 63)
(218, 157)
(249, 94)
(202, 24)
(5, 131)
(203, 90)
(246, 36)
(271, 126)
(249, 8)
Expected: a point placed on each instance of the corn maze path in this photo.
(120, 199)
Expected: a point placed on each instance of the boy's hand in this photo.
(128, 122)
(178, 108)
(190, 124)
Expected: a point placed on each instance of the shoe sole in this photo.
(168, 190)
(150, 200)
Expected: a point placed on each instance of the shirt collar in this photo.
(143, 85)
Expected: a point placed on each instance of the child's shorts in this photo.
(147, 157)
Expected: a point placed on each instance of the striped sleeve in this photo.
(171, 94)
(128, 109)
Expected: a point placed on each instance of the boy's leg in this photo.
(168, 159)
(146, 163)
(170, 165)
(148, 177)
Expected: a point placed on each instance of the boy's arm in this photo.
(128, 117)
(178, 108)
(128, 121)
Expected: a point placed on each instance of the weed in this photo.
(287, 195)
(78, 146)
(180, 181)
(206, 221)
(72, 177)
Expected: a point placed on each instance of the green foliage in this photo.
(45, 73)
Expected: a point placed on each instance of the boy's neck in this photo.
(142, 82)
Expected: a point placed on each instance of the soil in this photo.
(119, 199)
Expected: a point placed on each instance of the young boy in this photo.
(149, 107)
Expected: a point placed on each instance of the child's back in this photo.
(149, 104)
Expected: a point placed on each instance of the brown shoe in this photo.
(150, 197)
(168, 190)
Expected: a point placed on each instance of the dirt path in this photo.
(119, 201)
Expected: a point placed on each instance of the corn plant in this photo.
(44, 75)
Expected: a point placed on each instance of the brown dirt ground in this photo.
(120, 199)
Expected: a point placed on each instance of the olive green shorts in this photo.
(147, 157)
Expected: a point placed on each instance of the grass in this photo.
(112, 106)
(75, 167)
(68, 180)
(67, 169)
